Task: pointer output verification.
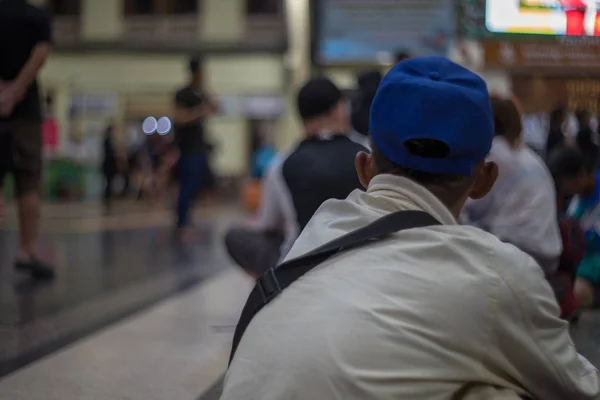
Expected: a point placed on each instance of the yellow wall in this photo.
(102, 20)
(127, 75)
(115, 72)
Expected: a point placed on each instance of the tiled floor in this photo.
(105, 272)
(175, 351)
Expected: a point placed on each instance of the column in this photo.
(102, 20)
(61, 113)
(297, 62)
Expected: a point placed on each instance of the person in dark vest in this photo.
(319, 168)
(109, 166)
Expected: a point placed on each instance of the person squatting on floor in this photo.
(521, 207)
(25, 44)
(440, 311)
(319, 168)
(576, 177)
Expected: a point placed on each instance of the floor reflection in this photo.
(112, 272)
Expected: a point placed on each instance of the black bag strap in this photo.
(275, 280)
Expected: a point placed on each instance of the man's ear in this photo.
(365, 168)
(484, 181)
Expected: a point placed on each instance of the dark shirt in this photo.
(555, 139)
(109, 161)
(587, 146)
(190, 138)
(22, 27)
(319, 170)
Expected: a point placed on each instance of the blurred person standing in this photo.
(556, 137)
(192, 106)
(25, 44)
(586, 138)
(319, 168)
(367, 83)
(109, 166)
(521, 207)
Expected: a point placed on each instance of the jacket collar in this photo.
(408, 195)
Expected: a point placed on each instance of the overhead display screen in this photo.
(544, 17)
(359, 31)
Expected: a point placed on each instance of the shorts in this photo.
(21, 155)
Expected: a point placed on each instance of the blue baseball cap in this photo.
(421, 101)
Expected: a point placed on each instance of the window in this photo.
(263, 6)
(183, 6)
(141, 7)
(65, 7)
(148, 7)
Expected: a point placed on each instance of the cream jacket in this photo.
(431, 313)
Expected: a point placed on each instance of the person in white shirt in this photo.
(521, 207)
(441, 312)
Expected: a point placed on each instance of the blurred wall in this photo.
(92, 63)
(129, 76)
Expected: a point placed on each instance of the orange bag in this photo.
(251, 195)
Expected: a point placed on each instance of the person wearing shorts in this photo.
(521, 207)
(25, 44)
(192, 107)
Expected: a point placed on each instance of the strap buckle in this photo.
(268, 285)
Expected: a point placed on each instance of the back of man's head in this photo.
(573, 173)
(195, 64)
(431, 121)
(317, 98)
(507, 120)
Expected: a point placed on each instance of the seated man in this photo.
(521, 207)
(439, 312)
(321, 167)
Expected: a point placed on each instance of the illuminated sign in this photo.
(544, 17)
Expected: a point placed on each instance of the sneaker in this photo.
(36, 268)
